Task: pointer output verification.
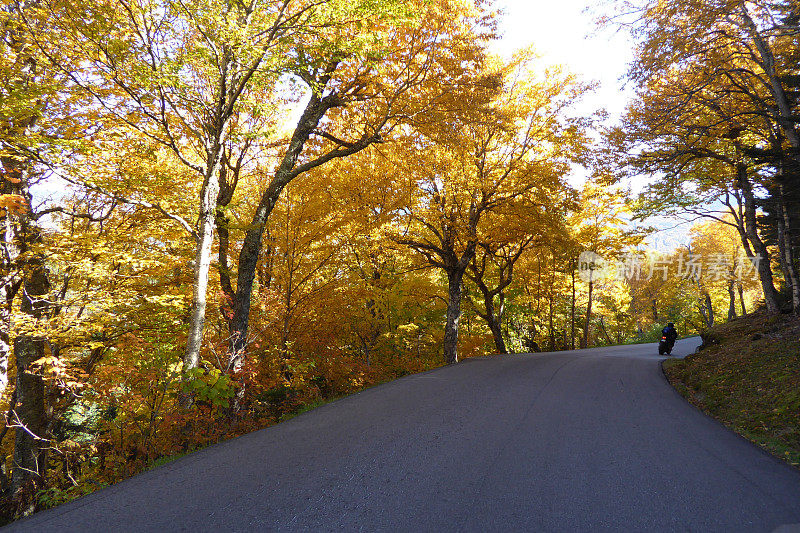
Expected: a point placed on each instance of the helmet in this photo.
(670, 325)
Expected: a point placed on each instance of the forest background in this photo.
(218, 213)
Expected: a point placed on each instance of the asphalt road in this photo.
(594, 440)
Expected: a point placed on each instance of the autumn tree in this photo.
(663, 287)
(376, 271)
(198, 79)
(600, 231)
(702, 170)
(35, 114)
(489, 263)
(356, 98)
(511, 231)
(727, 269)
(513, 149)
(712, 78)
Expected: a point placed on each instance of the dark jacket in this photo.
(670, 333)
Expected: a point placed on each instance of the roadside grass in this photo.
(166, 459)
(748, 377)
(306, 407)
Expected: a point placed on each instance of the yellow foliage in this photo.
(13, 203)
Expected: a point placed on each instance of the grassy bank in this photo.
(747, 375)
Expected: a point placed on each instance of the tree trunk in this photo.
(30, 446)
(788, 250)
(366, 351)
(11, 280)
(495, 321)
(30, 418)
(572, 313)
(585, 341)
(226, 190)
(251, 247)
(202, 262)
(782, 255)
(605, 332)
(491, 315)
(455, 279)
(538, 287)
(701, 308)
(550, 326)
(370, 339)
(501, 321)
(5, 339)
(761, 260)
(741, 299)
(499, 342)
(709, 310)
(12, 277)
(501, 318)
(731, 301)
(22, 269)
(15, 170)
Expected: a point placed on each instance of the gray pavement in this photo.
(593, 440)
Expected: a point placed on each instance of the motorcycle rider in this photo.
(671, 334)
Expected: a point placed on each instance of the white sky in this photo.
(562, 33)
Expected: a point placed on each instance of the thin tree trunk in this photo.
(550, 326)
(539, 286)
(491, 315)
(226, 190)
(366, 351)
(11, 281)
(731, 301)
(454, 289)
(572, 313)
(709, 310)
(741, 299)
(223, 268)
(5, 338)
(12, 275)
(551, 298)
(501, 314)
(202, 262)
(701, 308)
(761, 260)
(287, 316)
(494, 321)
(30, 418)
(605, 332)
(782, 255)
(788, 251)
(251, 247)
(374, 332)
(585, 341)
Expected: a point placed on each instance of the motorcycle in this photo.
(664, 346)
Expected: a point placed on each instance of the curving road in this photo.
(583, 441)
